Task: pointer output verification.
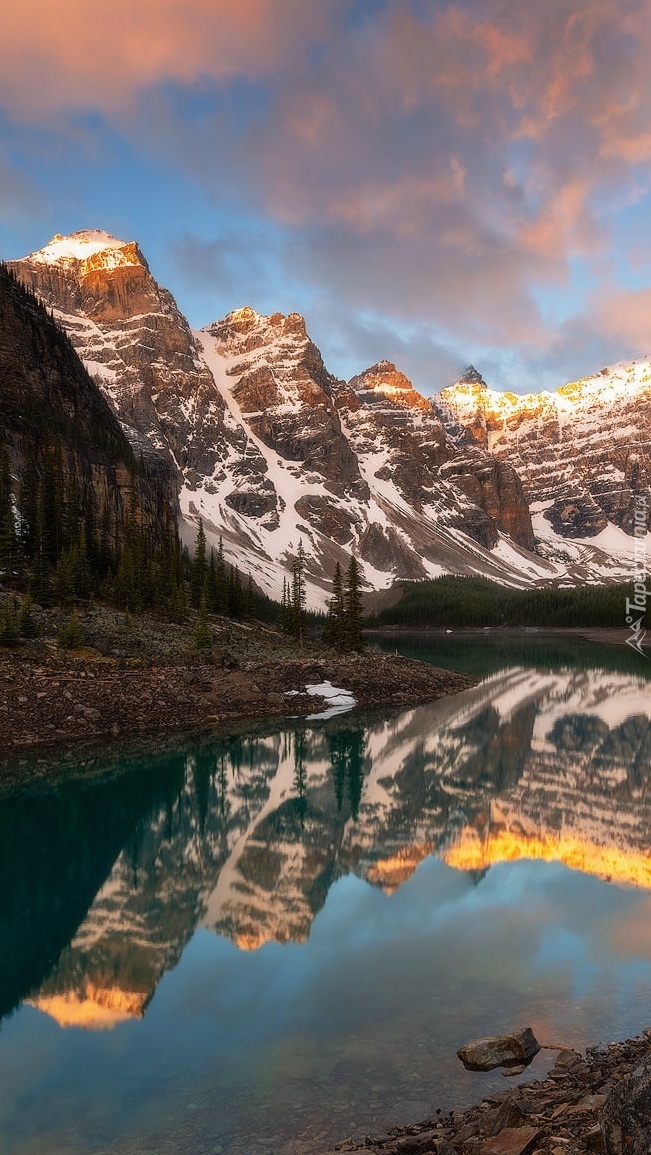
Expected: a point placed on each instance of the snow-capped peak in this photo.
(76, 247)
(622, 380)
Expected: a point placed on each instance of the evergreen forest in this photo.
(473, 601)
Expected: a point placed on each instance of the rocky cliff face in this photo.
(364, 465)
(582, 453)
(385, 417)
(285, 394)
(50, 406)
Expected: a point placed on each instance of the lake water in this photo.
(265, 943)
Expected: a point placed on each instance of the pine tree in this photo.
(298, 595)
(50, 511)
(28, 506)
(177, 604)
(248, 597)
(71, 512)
(203, 638)
(283, 622)
(10, 553)
(334, 633)
(235, 594)
(90, 534)
(8, 624)
(199, 568)
(105, 547)
(64, 577)
(70, 633)
(27, 625)
(221, 597)
(210, 584)
(83, 577)
(353, 606)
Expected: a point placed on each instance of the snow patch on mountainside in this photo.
(610, 555)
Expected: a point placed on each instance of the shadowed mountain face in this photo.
(245, 837)
(51, 411)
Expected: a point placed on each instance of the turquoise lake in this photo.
(267, 942)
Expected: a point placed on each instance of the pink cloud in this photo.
(74, 54)
(501, 138)
(440, 162)
(624, 316)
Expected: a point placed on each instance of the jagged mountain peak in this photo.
(384, 378)
(245, 329)
(472, 376)
(382, 366)
(581, 452)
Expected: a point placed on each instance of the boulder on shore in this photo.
(513, 1050)
(627, 1114)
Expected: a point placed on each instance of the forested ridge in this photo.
(472, 601)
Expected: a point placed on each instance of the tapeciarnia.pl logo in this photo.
(640, 592)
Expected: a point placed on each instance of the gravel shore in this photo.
(148, 681)
(570, 1112)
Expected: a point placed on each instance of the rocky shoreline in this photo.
(586, 1105)
(51, 699)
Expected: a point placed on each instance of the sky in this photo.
(435, 182)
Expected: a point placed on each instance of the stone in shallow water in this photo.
(513, 1050)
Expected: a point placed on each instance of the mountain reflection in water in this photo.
(105, 882)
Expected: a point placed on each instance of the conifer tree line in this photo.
(292, 619)
(344, 620)
(59, 545)
(474, 601)
(217, 587)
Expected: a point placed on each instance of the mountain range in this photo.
(269, 448)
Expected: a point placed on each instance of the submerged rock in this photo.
(516, 1050)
